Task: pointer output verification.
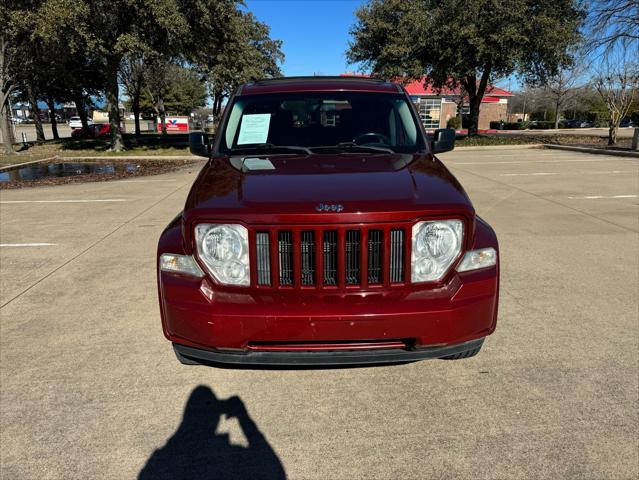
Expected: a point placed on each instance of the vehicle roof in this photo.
(319, 84)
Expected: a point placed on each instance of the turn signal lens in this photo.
(476, 259)
(184, 264)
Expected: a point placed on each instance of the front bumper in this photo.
(319, 358)
(243, 326)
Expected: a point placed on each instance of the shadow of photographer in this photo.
(197, 451)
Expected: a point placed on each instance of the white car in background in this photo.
(75, 122)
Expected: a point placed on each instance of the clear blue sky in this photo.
(314, 32)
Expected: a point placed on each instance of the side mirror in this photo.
(443, 140)
(199, 144)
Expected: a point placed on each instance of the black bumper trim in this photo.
(333, 357)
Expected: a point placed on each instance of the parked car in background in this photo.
(323, 230)
(587, 124)
(627, 123)
(94, 131)
(76, 122)
(573, 123)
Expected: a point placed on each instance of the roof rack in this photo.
(341, 78)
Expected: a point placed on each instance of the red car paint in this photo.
(94, 131)
(383, 191)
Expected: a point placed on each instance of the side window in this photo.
(233, 123)
(408, 127)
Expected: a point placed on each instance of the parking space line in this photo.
(146, 181)
(27, 244)
(605, 172)
(525, 162)
(528, 174)
(95, 243)
(547, 199)
(597, 197)
(107, 200)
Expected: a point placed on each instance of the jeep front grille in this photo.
(329, 257)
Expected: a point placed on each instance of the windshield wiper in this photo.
(352, 146)
(270, 146)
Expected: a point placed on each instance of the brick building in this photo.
(437, 107)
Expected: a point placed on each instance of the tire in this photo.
(462, 355)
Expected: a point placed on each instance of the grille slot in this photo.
(353, 248)
(307, 249)
(330, 257)
(262, 244)
(285, 252)
(375, 256)
(397, 256)
(325, 257)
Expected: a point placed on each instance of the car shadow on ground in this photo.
(197, 451)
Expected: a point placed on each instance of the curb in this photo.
(500, 147)
(15, 165)
(104, 158)
(596, 151)
(132, 157)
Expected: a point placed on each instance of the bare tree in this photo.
(613, 24)
(618, 85)
(562, 88)
(132, 76)
(158, 76)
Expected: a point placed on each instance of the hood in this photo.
(297, 184)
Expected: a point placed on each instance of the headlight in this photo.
(436, 245)
(224, 250)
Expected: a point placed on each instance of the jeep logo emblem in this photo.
(330, 207)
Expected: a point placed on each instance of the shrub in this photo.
(515, 125)
(541, 125)
(453, 122)
(496, 125)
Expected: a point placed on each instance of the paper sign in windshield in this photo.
(254, 128)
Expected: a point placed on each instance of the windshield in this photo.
(321, 122)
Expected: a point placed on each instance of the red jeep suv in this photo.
(324, 231)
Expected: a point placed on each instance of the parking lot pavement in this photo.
(90, 388)
(30, 131)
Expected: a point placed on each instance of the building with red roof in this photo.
(437, 106)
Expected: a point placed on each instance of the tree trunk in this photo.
(6, 86)
(33, 101)
(54, 121)
(113, 99)
(473, 117)
(7, 134)
(612, 134)
(136, 113)
(475, 92)
(162, 116)
(557, 107)
(217, 106)
(78, 99)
